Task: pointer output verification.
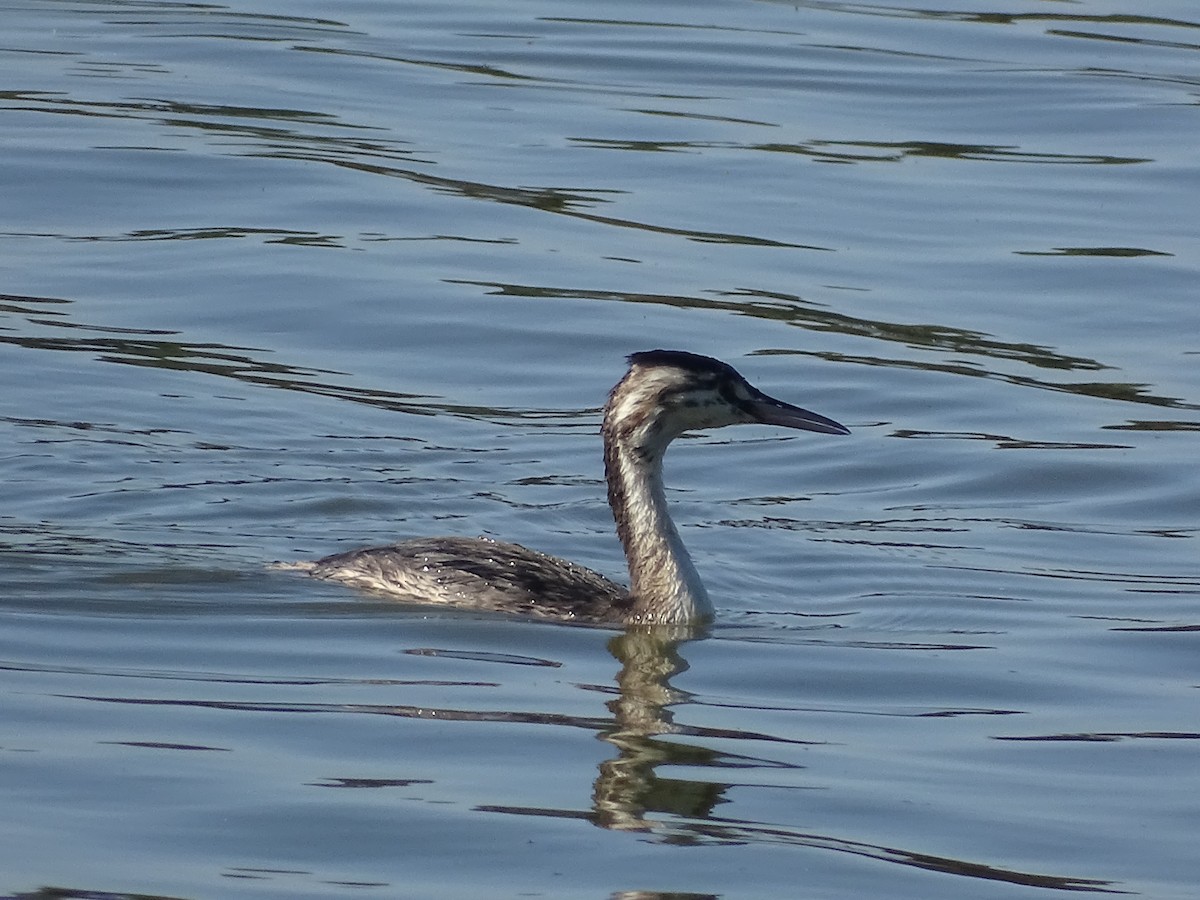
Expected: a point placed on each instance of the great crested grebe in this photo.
(664, 394)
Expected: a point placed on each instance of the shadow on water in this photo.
(154, 349)
(794, 310)
(241, 134)
(1002, 18)
(311, 136)
(61, 893)
(150, 347)
(867, 151)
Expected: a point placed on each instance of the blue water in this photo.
(285, 279)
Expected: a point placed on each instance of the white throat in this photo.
(665, 584)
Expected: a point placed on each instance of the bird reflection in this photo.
(627, 787)
(629, 795)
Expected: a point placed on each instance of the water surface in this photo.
(285, 279)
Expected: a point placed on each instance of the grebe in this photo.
(664, 394)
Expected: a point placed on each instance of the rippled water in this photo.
(284, 279)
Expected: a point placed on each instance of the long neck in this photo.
(665, 585)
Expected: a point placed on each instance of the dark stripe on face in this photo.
(728, 389)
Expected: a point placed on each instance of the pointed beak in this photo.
(770, 411)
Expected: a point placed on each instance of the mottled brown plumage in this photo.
(664, 394)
